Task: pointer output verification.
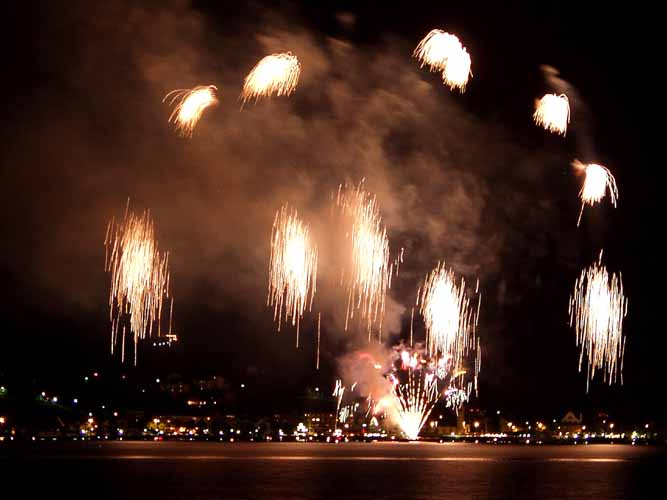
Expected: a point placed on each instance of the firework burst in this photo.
(369, 273)
(414, 401)
(441, 51)
(597, 309)
(292, 269)
(190, 106)
(275, 74)
(448, 315)
(419, 381)
(598, 180)
(435, 49)
(139, 278)
(552, 112)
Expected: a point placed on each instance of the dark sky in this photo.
(463, 178)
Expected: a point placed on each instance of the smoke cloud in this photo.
(450, 186)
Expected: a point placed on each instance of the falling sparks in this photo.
(449, 318)
(275, 74)
(597, 309)
(598, 180)
(369, 272)
(139, 277)
(441, 51)
(190, 106)
(552, 112)
(292, 269)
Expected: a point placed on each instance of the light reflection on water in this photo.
(354, 471)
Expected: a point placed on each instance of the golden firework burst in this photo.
(292, 268)
(190, 105)
(139, 277)
(275, 74)
(552, 112)
(597, 308)
(598, 180)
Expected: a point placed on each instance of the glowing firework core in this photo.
(139, 277)
(190, 107)
(598, 180)
(292, 269)
(457, 71)
(552, 112)
(275, 74)
(597, 309)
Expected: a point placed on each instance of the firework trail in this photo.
(319, 320)
(598, 180)
(597, 308)
(368, 274)
(139, 277)
(338, 392)
(441, 51)
(448, 315)
(190, 106)
(292, 268)
(275, 74)
(552, 112)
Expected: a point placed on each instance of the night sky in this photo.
(468, 179)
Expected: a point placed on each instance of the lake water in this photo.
(382, 471)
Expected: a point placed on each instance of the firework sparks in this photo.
(139, 277)
(275, 74)
(419, 381)
(190, 106)
(552, 112)
(370, 271)
(597, 309)
(598, 180)
(338, 392)
(449, 318)
(414, 401)
(319, 321)
(441, 51)
(292, 269)
(435, 49)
